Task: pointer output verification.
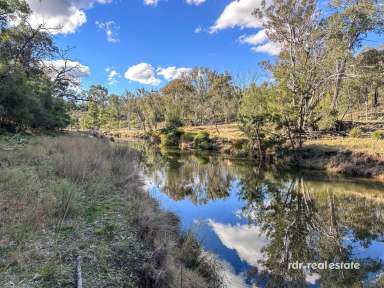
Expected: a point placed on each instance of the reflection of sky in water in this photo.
(222, 231)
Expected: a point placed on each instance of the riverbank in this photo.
(360, 156)
(355, 157)
(73, 197)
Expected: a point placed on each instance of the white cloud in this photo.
(195, 2)
(255, 39)
(171, 73)
(261, 39)
(109, 28)
(113, 76)
(63, 16)
(238, 13)
(151, 2)
(247, 240)
(269, 48)
(198, 29)
(142, 73)
(74, 69)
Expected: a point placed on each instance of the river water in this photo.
(255, 221)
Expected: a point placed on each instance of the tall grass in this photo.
(65, 196)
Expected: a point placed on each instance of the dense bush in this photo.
(202, 141)
(169, 139)
(187, 137)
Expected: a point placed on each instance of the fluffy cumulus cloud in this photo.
(63, 16)
(110, 28)
(269, 48)
(255, 39)
(263, 45)
(195, 2)
(172, 73)
(238, 13)
(113, 75)
(143, 73)
(73, 69)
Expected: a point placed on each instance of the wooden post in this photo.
(78, 272)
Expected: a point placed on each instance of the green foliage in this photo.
(260, 119)
(169, 139)
(172, 121)
(202, 141)
(378, 135)
(29, 96)
(27, 101)
(356, 132)
(187, 137)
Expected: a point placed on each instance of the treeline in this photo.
(33, 91)
(321, 74)
(200, 97)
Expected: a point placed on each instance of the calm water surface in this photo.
(256, 220)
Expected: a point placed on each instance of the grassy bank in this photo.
(353, 156)
(67, 197)
(366, 145)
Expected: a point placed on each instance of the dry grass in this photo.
(66, 196)
(225, 131)
(124, 133)
(365, 145)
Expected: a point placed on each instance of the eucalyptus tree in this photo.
(347, 26)
(371, 68)
(296, 27)
(27, 92)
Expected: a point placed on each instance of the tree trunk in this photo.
(340, 70)
(375, 101)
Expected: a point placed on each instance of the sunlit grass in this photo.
(225, 131)
(367, 145)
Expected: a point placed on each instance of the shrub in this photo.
(187, 137)
(202, 136)
(179, 132)
(355, 132)
(172, 122)
(378, 135)
(169, 139)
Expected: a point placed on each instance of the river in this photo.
(255, 221)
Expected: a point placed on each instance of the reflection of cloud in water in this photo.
(225, 270)
(248, 241)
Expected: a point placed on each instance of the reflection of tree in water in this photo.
(305, 226)
(198, 178)
(304, 219)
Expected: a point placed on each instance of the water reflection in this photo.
(258, 220)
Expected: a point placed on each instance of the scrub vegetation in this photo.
(68, 196)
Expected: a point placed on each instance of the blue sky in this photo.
(147, 36)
